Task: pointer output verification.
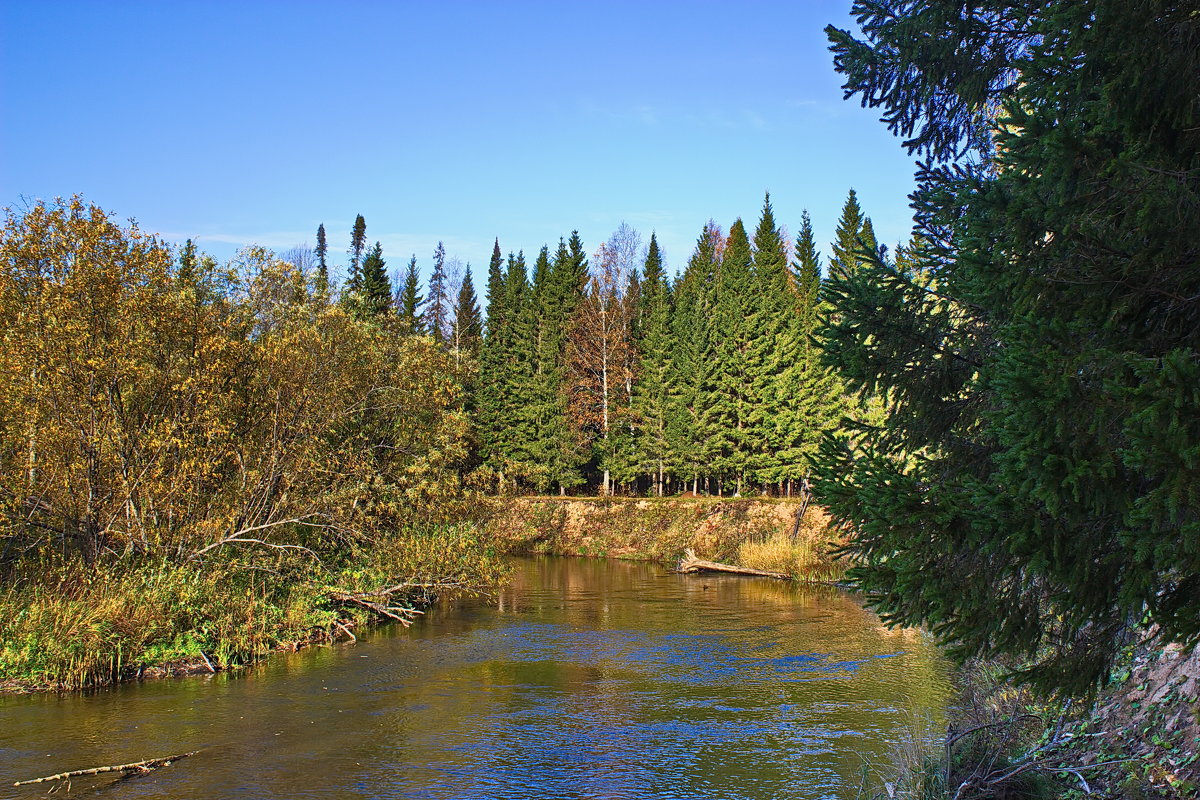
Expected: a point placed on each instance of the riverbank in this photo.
(761, 533)
(64, 626)
(1139, 737)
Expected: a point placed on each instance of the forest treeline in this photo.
(600, 372)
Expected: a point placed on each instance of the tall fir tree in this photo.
(564, 452)
(468, 321)
(728, 405)
(492, 366)
(322, 282)
(518, 441)
(542, 413)
(808, 266)
(188, 263)
(809, 399)
(770, 346)
(846, 246)
(358, 241)
(437, 304)
(375, 286)
(652, 406)
(409, 301)
(1033, 492)
(691, 365)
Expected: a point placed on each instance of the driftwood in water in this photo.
(137, 766)
(689, 563)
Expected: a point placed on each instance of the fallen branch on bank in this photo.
(137, 766)
(689, 563)
(378, 603)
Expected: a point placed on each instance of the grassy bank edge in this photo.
(64, 627)
(760, 533)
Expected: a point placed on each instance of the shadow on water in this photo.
(583, 679)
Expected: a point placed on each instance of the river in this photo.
(583, 679)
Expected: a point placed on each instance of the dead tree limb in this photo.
(402, 614)
(137, 766)
(240, 537)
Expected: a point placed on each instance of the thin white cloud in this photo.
(396, 246)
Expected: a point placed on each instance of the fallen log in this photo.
(137, 766)
(689, 563)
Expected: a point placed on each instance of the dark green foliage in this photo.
(726, 416)
(808, 266)
(409, 300)
(773, 347)
(846, 256)
(551, 447)
(652, 407)
(322, 252)
(437, 304)
(489, 397)
(468, 322)
(691, 368)
(376, 287)
(1034, 490)
(187, 262)
(358, 241)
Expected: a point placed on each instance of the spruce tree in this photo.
(564, 453)
(468, 322)
(375, 286)
(771, 346)
(728, 403)
(652, 393)
(543, 413)
(846, 246)
(409, 300)
(691, 365)
(651, 276)
(437, 304)
(1033, 493)
(808, 395)
(188, 263)
(808, 267)
(517, 442)
(358, 241)
(492, 366)
(322, 283)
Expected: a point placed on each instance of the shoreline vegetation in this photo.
(160, 619)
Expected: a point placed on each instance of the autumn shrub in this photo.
(192, 457)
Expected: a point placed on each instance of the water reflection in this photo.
(584, 679)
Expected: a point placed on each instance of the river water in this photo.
(583, 679)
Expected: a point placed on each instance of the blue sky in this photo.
(253, 122)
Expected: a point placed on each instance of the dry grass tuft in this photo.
(805, 557)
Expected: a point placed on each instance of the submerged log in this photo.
(137, 766)
(689, 563)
